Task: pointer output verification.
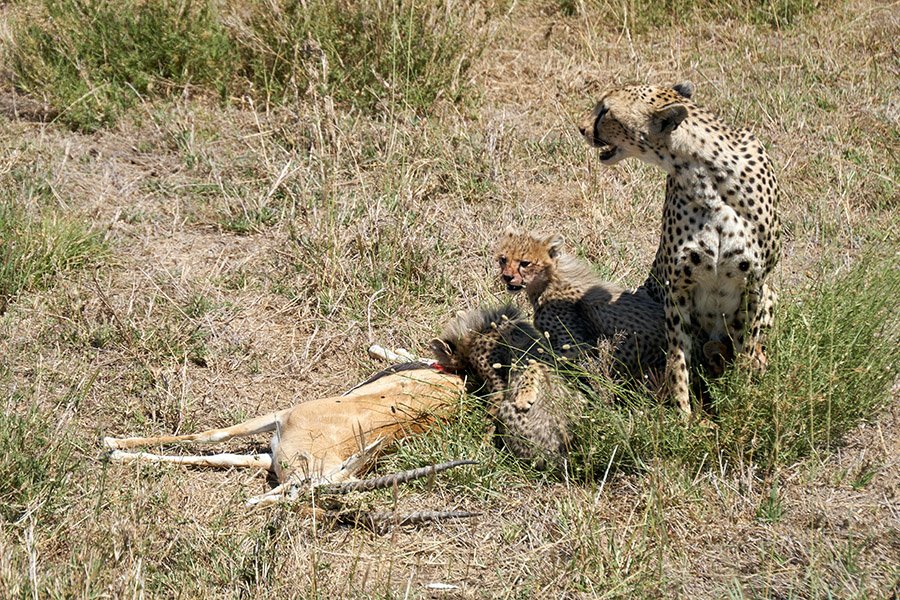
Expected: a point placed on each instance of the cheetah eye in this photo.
(501, 260)
(525, 263)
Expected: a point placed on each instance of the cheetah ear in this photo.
(443, 351)
(667, 119)
(684, 88)
(511, 230)
(554, 245)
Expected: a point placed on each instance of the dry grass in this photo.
(253, 255)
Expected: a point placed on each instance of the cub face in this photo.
(523, 259)
(635, 121)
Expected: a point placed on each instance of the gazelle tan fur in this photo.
(322, 441)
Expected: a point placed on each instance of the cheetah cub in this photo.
(720, 231)
(577, 309)
(501, 352)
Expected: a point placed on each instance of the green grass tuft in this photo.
(363, 53)
(770, 509)
(831, 361)
(33, 251)
(94, 58)
(646, 15)
(35, 463)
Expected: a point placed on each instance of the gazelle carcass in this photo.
(324, 444)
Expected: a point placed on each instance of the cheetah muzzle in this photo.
(592, 135)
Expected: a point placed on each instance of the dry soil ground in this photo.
(253, 256)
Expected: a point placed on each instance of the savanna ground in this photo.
(210, 211)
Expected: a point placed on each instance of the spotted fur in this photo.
(578, 310)
(502, 354)
(720, 231)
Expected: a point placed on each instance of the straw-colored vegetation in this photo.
(210, 209)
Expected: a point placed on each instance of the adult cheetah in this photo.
(720, 231)
(577, 309)
(501, 353)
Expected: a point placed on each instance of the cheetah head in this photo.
(474, 333)
(635, 121)
(523, 259)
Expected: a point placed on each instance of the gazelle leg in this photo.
(396, 356)
(347, 470)
(354, 464)
(273, 496)
(256, 425)
(224, 460)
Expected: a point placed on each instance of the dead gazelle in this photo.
(327, 443)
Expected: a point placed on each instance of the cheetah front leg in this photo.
(678, 361)
(760, 303)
